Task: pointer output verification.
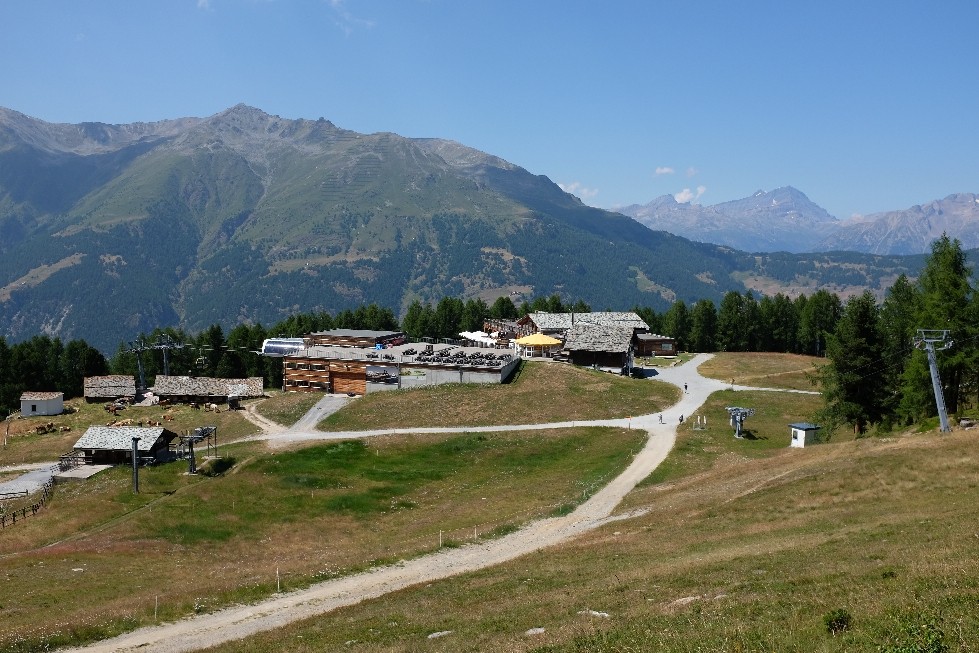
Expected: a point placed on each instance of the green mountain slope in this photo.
(110, 230)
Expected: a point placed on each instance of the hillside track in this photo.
(238, 622)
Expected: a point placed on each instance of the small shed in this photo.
(113, 445)
(42, 403)
(803, 434)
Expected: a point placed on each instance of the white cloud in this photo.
(687, 195)
(575, 188)
(204, 4)
(664, 170)
(692, 172)
(345, 20)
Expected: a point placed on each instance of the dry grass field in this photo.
(99, 560)
(542, 392)
(287, 407)
(751, 554)
(26, 446)
(764, 370)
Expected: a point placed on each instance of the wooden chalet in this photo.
(600, 345)
(653, 344)
(109, 388)
(113, 445)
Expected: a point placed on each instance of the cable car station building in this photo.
(382, 365)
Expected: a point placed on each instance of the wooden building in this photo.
(602, 346)
(320, 370)
(652, 344)
(113, 445)
(352, 370)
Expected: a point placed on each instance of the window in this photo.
(33, 408)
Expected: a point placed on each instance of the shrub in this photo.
(837, 621)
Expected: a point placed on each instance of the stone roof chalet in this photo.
(41, 396)
(110, 387)
(614, 338)
(203, 386)
(120, 438)
(552, 322)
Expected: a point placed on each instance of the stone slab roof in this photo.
(564, 321)
(41, 396)
(604, 338)
(120, 438)
(110, 387)
(205, 386)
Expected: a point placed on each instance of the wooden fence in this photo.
(11, 517)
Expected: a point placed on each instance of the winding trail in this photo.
(238, 622)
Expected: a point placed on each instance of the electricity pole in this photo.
(927, 339)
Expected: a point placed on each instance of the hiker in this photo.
(684, 387)
(661, 418)
(681, 419)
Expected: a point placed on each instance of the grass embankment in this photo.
(97, 559)
(26, 446)
(541, 393)
(287, 408)
(764, 370)
(754, 554)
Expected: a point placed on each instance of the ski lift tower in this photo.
(927, 339)
(138, 348)
(166, 343)
(737, 418)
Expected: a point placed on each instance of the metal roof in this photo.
(357, 333)
(805, 426)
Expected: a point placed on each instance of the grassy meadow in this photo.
(863, 545)
(764, 369)
(24, 445)
(99, 560)
(541, 392)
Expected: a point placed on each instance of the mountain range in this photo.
(107, 231)
(786, 220)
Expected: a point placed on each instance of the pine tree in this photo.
(854, 387)
(946, 303)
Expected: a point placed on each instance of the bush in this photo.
(837, 621)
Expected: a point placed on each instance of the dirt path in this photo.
(241, 621)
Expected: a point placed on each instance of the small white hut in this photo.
(803, 434)
(42, 403)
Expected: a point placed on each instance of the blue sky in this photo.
(864, 106)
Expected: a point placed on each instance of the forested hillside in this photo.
(109, 231)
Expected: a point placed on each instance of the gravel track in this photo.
(238, 622)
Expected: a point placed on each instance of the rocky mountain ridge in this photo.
(785, 219)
